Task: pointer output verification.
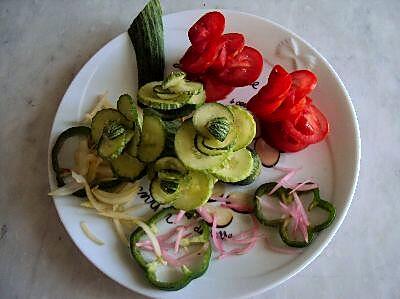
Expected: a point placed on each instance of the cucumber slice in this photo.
(133, 145)
(147, 36)
(127, 107)
(159, 195)
(188, 87)
(206, 113)
(152, 141)
(198, 99)
(255, 172)
(219, 128)
(198, 142)
(147, 97)
(245, 126)
(227, 144)
(187, 152)
(128, 167)
(194, 191)
(169, 186)
(173, 79)
(113, 130)
(237, 167)
(170, 175)
(102, 119)
(112, 148)
(169, 163)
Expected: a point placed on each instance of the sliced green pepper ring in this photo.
(150, 267)
(283, 195)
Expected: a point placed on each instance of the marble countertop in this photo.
(44, 43)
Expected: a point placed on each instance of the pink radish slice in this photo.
(269, 156)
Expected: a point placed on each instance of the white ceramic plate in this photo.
(334, 163)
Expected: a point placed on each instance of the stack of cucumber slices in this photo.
(172, 98)
(183, 159)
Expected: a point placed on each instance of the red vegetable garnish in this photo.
(304, 82)
(276, 137)
(242, 70)
(233, 45)
(197, 63)
(223, 58)
(271, 96)
(309, 127)
(215, 89)
(209, 26)
(289, 120)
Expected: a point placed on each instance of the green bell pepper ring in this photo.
(283, 194)
(151, 267)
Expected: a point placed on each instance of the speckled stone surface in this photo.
(43, 44)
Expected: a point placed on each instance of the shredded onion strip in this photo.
(89, 234)
(67, 189)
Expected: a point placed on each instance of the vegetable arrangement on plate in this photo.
(189, 149)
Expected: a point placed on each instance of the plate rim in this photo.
(334, 228)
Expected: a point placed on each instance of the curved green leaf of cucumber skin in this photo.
(219, 128)
(188, 276)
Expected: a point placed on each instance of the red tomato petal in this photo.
(215, 89)
(244, 69)
(311, 126)
(209, 26)
(275, 136)
(233, 45)
(195, 63)
(304, 82)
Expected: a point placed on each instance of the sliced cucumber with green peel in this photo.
(128, 167)
(219, 128)
(147, 36)
(199, 144)
(148, 97)
(173, 79)
(114, 129)
(255, 172)
(187, 152)
(198, 99)
(103, 118)
(208, 112)
(112, 148)
(169, 163)
(133, 145)
(152, 141)
(227, 144)
(159, 194)
(194, 191)
(170, 175)
(245, 126)
(169, 186)
(188, 87)
(127, 107)
(237, 167)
